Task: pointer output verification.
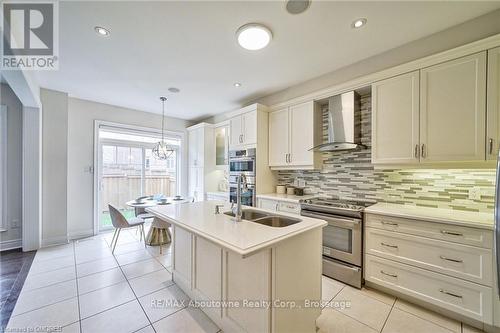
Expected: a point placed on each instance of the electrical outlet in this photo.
(475, 193)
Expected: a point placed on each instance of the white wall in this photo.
(54, 166)
(11, 238)
(82, 114)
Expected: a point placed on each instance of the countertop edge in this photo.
(436, 219)
(278, 197)
(242, 252)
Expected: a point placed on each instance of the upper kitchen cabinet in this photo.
(493, 104)
(243, 128)
(395, 119)
(221, 136)
(436, 114)
(201, 160)
(292, 132)
(453, 110)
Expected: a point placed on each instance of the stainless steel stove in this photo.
(342, 237)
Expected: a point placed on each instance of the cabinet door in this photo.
(250, 128)
(200, 147)
(269, 204)
(182, 256)
(248, 278)
(192, 181)
(208, 267)
(493, 104)
(193, 147)
(453, 110)
(236, 131)
(395, 119)
(278, 137)
(301, 134)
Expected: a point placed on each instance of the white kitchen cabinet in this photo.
(493, 104)
(453, 110)
(201, 160)
(292, 132)
(395, 119)
(278, 137)
(243, 129)
(445, 265)
(272, 205)
(182, 263)
(207, 260)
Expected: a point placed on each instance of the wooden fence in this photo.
(118, 189)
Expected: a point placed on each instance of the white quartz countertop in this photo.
(286, 197)
(440, 215)
(243, 237)
(220, 193)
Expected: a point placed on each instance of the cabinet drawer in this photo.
(461, 261)
(441, 231)
(466, 298)
(289, 207)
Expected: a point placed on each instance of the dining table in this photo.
(159, 232)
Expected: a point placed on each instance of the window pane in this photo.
(161, 175)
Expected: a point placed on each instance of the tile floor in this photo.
(369, 311)
(83, 287)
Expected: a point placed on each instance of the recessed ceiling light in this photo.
(253, 36)
(297, 6)
(237, 84)
(102, 31)
(174, 90)
(358, 23)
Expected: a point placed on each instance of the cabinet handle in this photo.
(490, 141)
(449, 293)
(445, 232)
(277, 206)
(389, 245)
(423, 151)
(388, 274)
(416, 151)
(389, 223)
(289, 158)
(449, 259)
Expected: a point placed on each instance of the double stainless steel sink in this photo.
(271, 220)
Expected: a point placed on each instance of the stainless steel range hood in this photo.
(344, 123)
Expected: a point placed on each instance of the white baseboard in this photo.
(54, 241)
(11, 244)
(78, 234)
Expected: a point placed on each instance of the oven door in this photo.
(247, 198)
(341, 237)
(242, 165)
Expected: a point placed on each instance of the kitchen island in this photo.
(247, 276)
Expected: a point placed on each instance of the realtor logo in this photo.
(30, 36)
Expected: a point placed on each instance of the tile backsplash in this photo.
(350, 175)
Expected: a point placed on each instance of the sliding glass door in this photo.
(128, 170)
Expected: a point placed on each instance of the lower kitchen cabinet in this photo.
(278, 205)
(207, 272)
(447, 266)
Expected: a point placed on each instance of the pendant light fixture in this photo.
(161, 150)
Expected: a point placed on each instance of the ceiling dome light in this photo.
(237, 84)
(102, 31)
(174, 90)
(253, 36)
(358, 23)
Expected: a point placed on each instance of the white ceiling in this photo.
(192, 46)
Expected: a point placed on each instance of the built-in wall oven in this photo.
(342, 237)
(242, 161)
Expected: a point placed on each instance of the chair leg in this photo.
(144, 235)
(160, 239)
(113, 239)
(139, 228)
(116, 240)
